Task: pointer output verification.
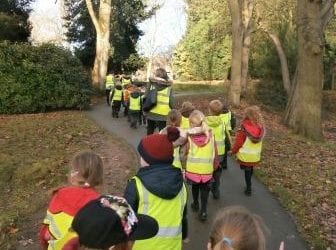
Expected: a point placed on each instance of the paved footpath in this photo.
(279, 223)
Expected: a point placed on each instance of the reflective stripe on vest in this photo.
(200, 159)
(177, 161)
(59, 225)
(226, 119)
(184, 123)
(162, 102)
(117, 95)
(168, 214)
(109, 82)
(249, 152)
(135, 103)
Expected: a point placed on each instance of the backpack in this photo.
(150, 101)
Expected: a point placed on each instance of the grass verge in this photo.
(35, 151)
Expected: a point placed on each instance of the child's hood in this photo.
(253, 131)
(70, 199)
(164, 181)
(213, 121)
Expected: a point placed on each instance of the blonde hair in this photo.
(174, 118)
(215, 107)
(197, 119)
(253, 113)
(237, 228)
(87, 168)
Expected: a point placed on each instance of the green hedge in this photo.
(39, 79)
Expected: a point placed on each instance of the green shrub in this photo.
(40, 79)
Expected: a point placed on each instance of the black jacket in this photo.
(164, 181)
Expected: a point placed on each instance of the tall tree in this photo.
(241, 14)
(237, 51)
(14, 25)
(303, 112)
(124, 32)
(101, 22)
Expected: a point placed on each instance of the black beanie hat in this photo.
(109, 220)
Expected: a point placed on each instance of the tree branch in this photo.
(92, 15)
(327, 12)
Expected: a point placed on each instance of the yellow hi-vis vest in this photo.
(125, 81)
(109, 82)
(184, 123)
(59, 225)
(168, 214)
(177, 160)
(162, 102)
(226, 119)
(117, 95)
(200, 159)
(135, 103)
(219, 133)
(249, 152)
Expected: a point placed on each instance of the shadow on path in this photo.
(279, 223)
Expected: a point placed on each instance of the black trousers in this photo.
(115, 108)
(152, 125)
(248, 172)
(204, 189)
(134, 118)
(107, 93)
(215, 185)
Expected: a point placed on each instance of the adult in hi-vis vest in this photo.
(248, 144)
(158, 190)
(157, 115)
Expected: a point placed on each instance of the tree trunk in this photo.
(303, 112)
(246, 20)
(237, 50)
(283, 62)
(102, 26)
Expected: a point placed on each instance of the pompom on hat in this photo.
(110, 220)
(158, 148)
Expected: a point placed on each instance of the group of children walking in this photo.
(191, 149)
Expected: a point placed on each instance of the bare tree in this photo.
(237, 51)
(241, 14)
(101, 22)
(303, 112)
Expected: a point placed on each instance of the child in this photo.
(174, 120)
(200, 158)
(187, 108)
(229, 121)
(135, 107)
(248, 143)
(110, 221)
(85, 179)
(218, 129)
(158, 190)
(116, 97)
(236, 228)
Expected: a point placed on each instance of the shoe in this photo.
(203, 216)
(194, 207)
(248, 192)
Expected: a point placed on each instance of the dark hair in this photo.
(161, 73)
